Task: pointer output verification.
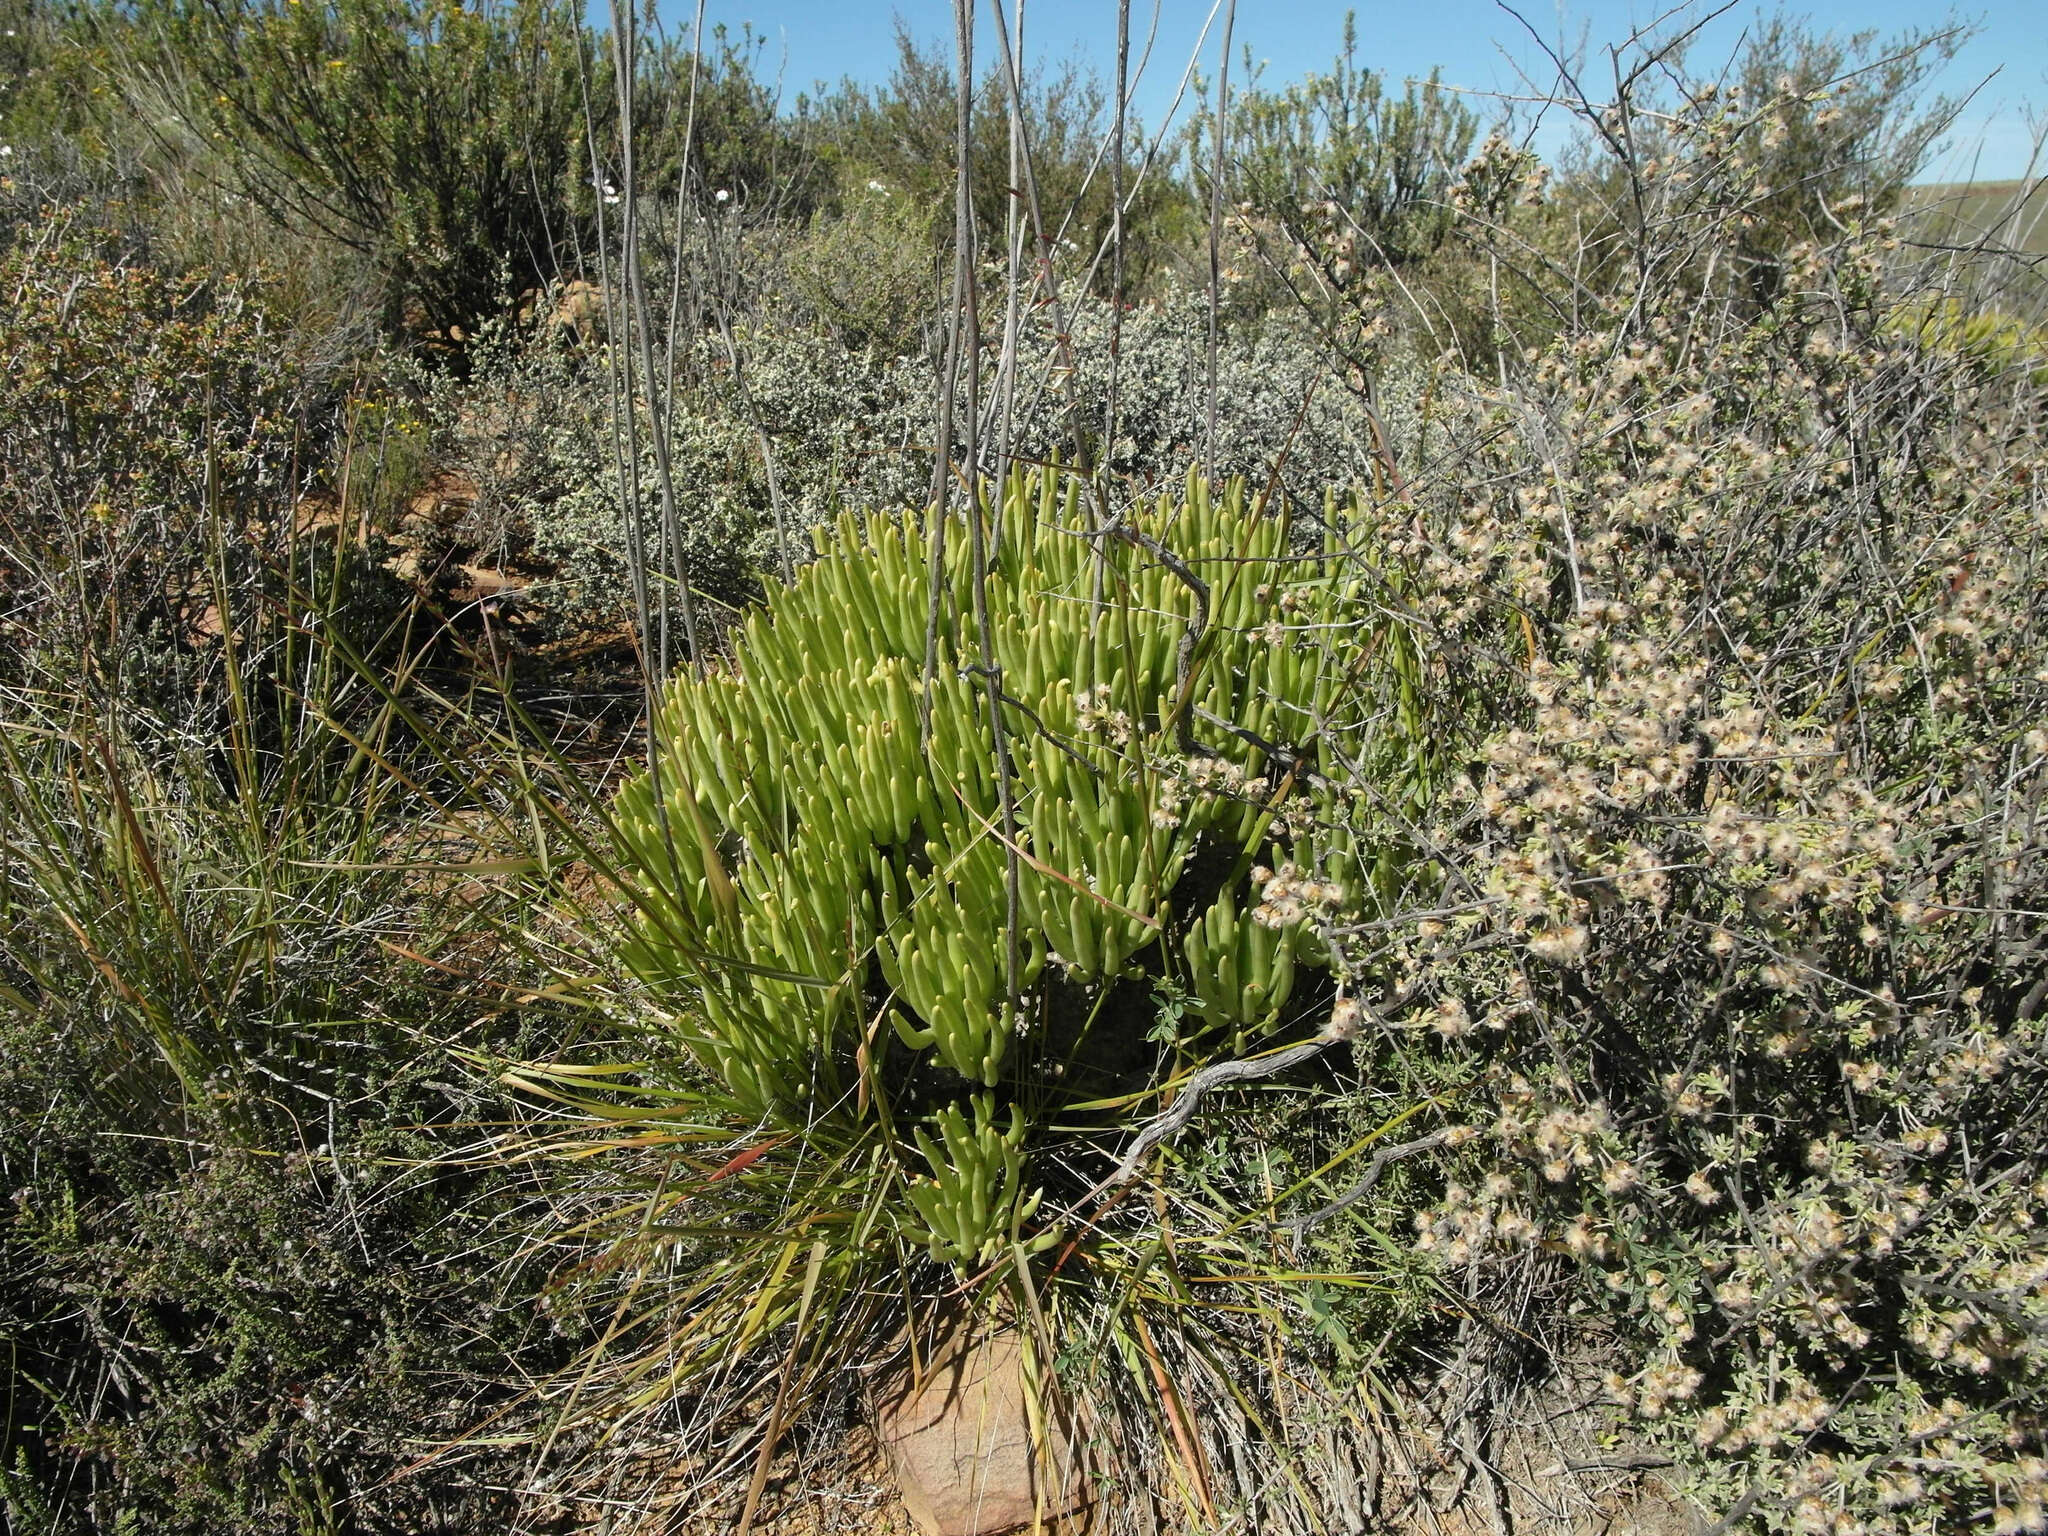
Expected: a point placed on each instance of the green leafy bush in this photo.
(436, 139)
(1992, 340)
(871, 273)
(1650, 768)
(903, 135)
(1337, 147)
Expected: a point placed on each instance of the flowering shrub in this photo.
(1736, 944)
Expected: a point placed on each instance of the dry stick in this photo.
(1177, 1417)
(624, 62)
(722, 312)
(625, 441)
(1216, 227)
(1243, 1070)
(678, 568)
(658, 430)
(1152, 150)
(1116, 229)
(675, 288)
(1027, 185)
(1470, 1438)
(949, 372)
(968, 322)
(1004, 407)
(1102, 149)
(626, 460)
(1062, 331)
(1371, 1177)
(1102, 248)
(739, 378)
(765, 1457)
(619, 320)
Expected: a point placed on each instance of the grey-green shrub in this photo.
(1743, 983)
(849, 426)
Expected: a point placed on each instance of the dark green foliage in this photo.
(1386, 163)
(902, 135)
(237, 1289)
(48, 69)
(24, 48)
(766, 161)
(234, 1290)
(436, 139)
(220, 1339)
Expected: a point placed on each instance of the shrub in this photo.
(1714, 188)
(437, 140)
(1836, 126)
(151, 429)
(871, 273)
(237, 1287)
(1337, 147)
(1733, 939)
(532, 427)
(1994, 341)
(903, 134)
(231, 1297)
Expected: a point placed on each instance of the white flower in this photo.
(611, 195)
(1561, 944)
(1619, 1178)
(7, 150)
(1345, 1018)
(721, 194)
(1452, 1018)
(876, 186)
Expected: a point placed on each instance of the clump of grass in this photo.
(240, 1286)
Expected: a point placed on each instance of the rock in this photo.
(580, 311)
(958, 1439)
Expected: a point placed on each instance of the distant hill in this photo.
(1968, 211)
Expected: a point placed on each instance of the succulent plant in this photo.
(825, 880)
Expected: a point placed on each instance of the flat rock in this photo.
(958, 1439)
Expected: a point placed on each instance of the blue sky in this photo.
(1478, 44)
